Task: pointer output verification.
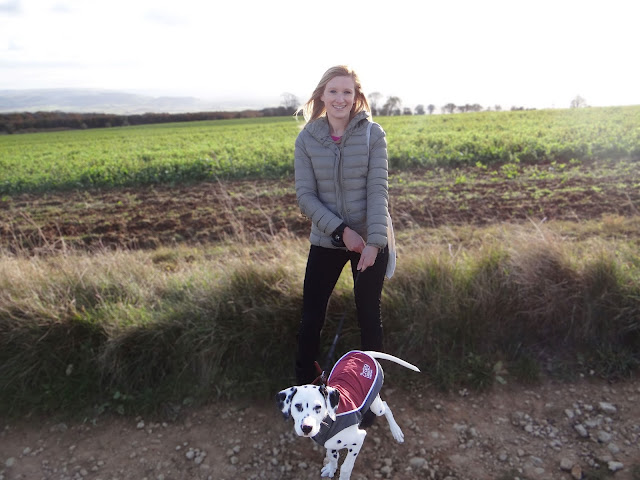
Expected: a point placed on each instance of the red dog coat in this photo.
(358, 377)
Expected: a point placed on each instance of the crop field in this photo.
(263, 148)
(145, 155)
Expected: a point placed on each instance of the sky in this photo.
(535, 54)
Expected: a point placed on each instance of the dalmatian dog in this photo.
(331, 414)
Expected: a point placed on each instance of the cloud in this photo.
(44, 64)
(61, 8)
(11, 7)
(164, 18)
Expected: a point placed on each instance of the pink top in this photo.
(335, 139)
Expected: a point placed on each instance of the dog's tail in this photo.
(386, 356)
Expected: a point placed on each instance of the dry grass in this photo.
(136, 330)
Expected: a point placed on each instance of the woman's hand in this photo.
(352, 240)
(367, 257)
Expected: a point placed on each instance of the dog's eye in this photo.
(317, 408)
(298, 406)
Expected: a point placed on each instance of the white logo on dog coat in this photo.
(367, 372)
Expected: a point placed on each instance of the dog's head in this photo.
(308, 405)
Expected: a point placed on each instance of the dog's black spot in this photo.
(351, 450)
(339, 441)
(283, 398)
(355, 454)
(334, 398)
(283, 401)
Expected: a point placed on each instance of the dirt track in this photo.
(545, 432)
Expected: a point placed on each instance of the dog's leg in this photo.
(380, 407)
(350, 439)
(353, 449)
(332, 463)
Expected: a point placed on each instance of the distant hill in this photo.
(106, 101)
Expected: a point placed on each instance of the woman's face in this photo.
(338, 97)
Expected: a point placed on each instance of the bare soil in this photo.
(582, 429)
(148, 217)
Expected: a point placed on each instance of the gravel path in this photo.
(588, 429)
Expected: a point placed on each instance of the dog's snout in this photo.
(306, 429)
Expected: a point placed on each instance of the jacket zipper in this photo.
(339, 194)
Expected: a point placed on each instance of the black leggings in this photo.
(324, 266)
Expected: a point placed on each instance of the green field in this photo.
(263, 148)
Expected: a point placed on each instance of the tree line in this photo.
(24, 122)
(393, 106)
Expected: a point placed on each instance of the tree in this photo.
(392, 106)
(578, 102)
(407, 111)
(290, 101)
(374, 100)
(449, 108)
(431, 108)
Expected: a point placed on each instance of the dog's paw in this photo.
(397, 433)
(328, 470)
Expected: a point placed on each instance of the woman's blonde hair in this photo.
(314, 108)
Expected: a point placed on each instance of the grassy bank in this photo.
(147, 330)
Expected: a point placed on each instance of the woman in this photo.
(341, 179)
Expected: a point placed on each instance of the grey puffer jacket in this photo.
(343, 182)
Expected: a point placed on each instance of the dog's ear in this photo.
(283, 399)
(332, 397)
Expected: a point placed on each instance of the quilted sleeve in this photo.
(377, 189)
(307, 191)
